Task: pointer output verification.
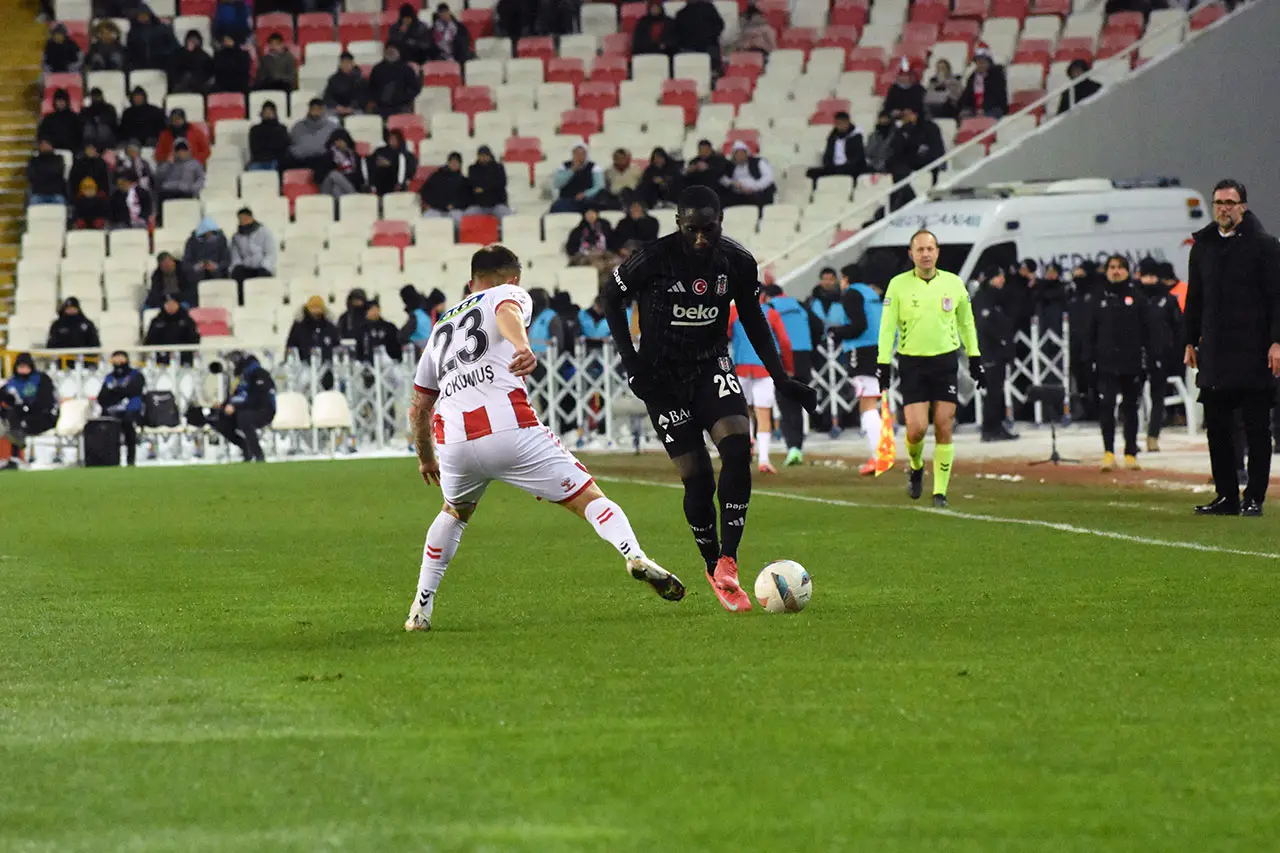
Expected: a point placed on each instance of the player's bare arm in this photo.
(511, 326)
(420, 428)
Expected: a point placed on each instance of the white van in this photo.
(1061, 222)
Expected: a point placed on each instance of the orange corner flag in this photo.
(887, 450)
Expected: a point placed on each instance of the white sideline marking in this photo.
(1060, 527)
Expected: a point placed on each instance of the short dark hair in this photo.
(1232, 184)
(922, 231)
(1030, 263)
(275, 37)
(494, 263)
(842, 115)
(1124, 262)
(697, 198)
(828, 271)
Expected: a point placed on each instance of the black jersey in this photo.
(684, 301)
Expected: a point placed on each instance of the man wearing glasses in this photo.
(1232, 325)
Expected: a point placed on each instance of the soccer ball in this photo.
(783, 587)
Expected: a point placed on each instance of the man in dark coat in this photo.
(996, 332)
(28, 405)
(698, 27)
(987, 91)
(637, 225)
(142, 120)
(1232, 326)
(268, 140)
(63, 127)
(151, 43)
(72, 330)
(392, 166)
(345, 91)
(447, 193)
(45, 173)
(655, 32)
(351, 320)
(393, 84)
(411, 36)
(488, 180)
(251, 406)
(121, 398)
(172, 327)
(232, 67)
(1168, 318)
(377, 333)
(170, 281)
(100, 121)
(843, 154)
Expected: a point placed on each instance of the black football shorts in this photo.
(681, 417)
(928, 378)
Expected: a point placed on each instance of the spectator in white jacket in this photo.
(253, 251)
(748, 180)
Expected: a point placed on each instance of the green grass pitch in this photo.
(211, 659)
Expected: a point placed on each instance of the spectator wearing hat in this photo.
(391, 167)
(345, 93)
(748, 180)
(450, 38)
(375, 334)
(755, 33)
(843, 154)
(61, 54)
(90, 209)
(447, 193)
(655, 32)
(72, 330)
(698, 28)
(393, 84)
(906, 91)
(206, 254)
(1169, 279)
(313, 331)
(151, 43)
(250, 407)
(121, 398)
(637, 225)
(131, 160)
(253, 250)
(411, 36)
(28, 406)
(421, 311)
(343, 170)
(309, 136)
(170, 281)
(62, 127)
(1167, 336)
(89, 165)
(142, 120)
(232, 67)
(45, 172)
(181, 177)
(106, 53)
(578, 181)
(916, 143)
(350, 321)
(101, 123)
(131, 205)
(1081, 89)
(277, 69)
(942, 96)
(191, 70)
(172, 327)
(488, 180)
(987, 92)
(268, 141)
(180, 128)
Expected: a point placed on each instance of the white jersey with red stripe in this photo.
(466, 362)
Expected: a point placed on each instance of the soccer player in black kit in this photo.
(683, 284)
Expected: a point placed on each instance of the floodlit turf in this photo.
(211, 659)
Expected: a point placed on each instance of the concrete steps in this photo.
(21, 47)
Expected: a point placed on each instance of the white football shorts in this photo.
(759, 392)
(530, 458)
(865, 386)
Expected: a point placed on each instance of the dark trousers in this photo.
(993, 397)
(850, 169)
(792, 411)
(241, 429)
(1254, 406)
(240, 274)
(129, 431)
(1159, 388)
(1129, 388)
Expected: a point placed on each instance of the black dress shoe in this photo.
(1219, 506)
(1251, 508)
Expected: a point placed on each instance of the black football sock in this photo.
(700, 510)
(734, 491)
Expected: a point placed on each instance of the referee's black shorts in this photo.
(928, 378)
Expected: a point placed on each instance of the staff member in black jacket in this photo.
(251, 406)
(996, 332)
(1119, 343)
(1233, 337)
(121, 398)
(1168, 323)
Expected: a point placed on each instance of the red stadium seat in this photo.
(798, 38)
(1024, 98)
(1061, 8)
(203, 8)
(294, 191)
(1206, 15)
(1114, 44)
(223, 105)
(394, 5)
(420, 177)
(827, 109)
(732, 90)
(849, 13)
(1039, 51)
(1124, 22)
(960, 29)
(749, 64)
(388, 19)
(71, 81)
(211, 321)
(479, 22)
(537, 47)
(885, 80)
(357, 26)
(78, 32)
(916, 53)
(570, 70)
(972, 127)
(472, 100)
(1075, 47)
(682, 93)
(845, 38)
(315, 26)
(865, 59)
(279, 22)
(392, 232)
(617, 44)
(920, 32)
(522, 149)
(778, 13)
(446, 73)
(597, 95)
(631, 14)
(579, 123)
(930, 11)
(481, 230)
(1008, 9)
(608, 69)
(414, 127)
(969, 9)
(750, 136)
(297, 176)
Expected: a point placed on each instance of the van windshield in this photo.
(951, 257)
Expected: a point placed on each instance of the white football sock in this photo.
(442, 543)
(762, 447)
(611, 525)
(871, 427)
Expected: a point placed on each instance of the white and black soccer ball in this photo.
(784, 587)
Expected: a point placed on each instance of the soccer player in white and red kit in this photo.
(472, 424)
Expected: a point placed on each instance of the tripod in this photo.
(1052, 396)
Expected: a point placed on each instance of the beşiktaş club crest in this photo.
(722, 284)
(725, 364)
(700, 287)
(946, 303)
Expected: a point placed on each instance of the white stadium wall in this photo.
(1207, 111)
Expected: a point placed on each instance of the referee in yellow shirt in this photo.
(928, 309)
